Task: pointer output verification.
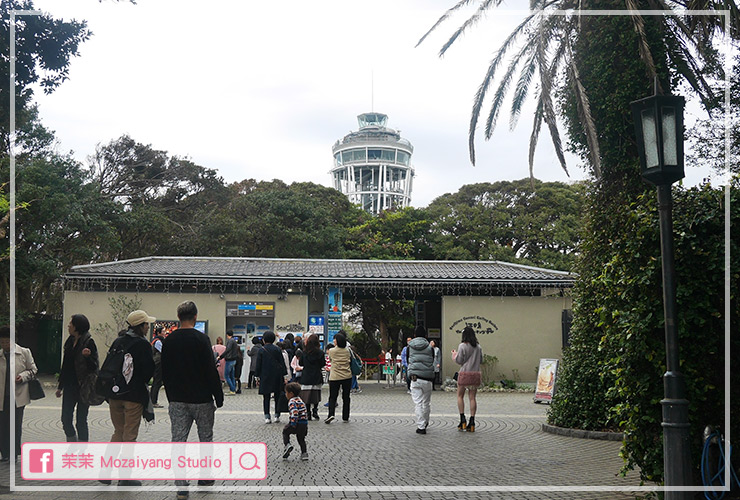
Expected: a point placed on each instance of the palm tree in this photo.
(542, 46)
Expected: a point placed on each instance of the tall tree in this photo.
(44, 48)
(524, 221)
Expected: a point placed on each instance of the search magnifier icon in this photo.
(251, 456)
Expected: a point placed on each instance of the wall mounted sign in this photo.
(481, 325)
(250, 309)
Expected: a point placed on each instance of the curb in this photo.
(579, 433)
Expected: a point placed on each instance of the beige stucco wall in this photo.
(526, 329)
(163, 306)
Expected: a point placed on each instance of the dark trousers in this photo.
(70, 399)
(238, 374)
(156, 383)
(251, 382)
(5, 430)
(266, 402)
(334, 386)
(300, 431)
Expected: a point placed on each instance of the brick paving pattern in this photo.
(377, 451)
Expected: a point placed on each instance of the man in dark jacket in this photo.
(191, 382)
(421, 373)
(230, 355)
(270, 368)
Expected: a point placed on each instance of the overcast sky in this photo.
(263, 89)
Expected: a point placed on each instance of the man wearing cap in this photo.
(126, 410)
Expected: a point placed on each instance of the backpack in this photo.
(117, 370)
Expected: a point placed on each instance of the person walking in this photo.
(437, 363)
(191, 382)
(76, 378)
(157, 355)
(229, 355)
(297, 421)
(270, 368)
(256, 346)
(340, 376)
(312, 377)
(421, 373)
(468, 355)
(127, 409)
(25, 370)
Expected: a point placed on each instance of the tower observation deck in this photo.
(372, 166)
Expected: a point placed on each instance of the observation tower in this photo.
(372, 166)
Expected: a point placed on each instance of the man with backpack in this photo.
(191, 382)
(123, 381)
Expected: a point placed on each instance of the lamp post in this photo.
(659, 129)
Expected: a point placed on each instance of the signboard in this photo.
(250, 309)
(546, 380)
(434, 333)
(334, 317)
(316, 324)
(169, 326)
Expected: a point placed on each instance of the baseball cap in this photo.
(138, 317)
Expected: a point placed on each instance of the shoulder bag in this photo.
(355, 363)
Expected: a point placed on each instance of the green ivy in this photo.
(611, 375)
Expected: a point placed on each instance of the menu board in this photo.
(250, 309)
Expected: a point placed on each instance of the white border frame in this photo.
(405, 489)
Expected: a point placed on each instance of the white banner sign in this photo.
(143, 461)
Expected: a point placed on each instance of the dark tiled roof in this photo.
(314, 270)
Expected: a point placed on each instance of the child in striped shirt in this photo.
(297, 421)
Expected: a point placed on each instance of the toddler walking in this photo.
(297, 421)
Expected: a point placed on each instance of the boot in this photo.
(315, 413)
(71, 439)
(461, 426)
(471, 425)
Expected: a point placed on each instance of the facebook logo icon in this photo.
(41, 461)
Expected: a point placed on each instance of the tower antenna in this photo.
(372, 89)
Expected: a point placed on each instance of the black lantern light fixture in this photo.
(659, 129)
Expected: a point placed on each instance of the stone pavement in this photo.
(376, 455)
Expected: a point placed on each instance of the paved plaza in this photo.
(376, 455)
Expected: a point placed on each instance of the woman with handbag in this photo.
(340, 376)
(80, 367)
(468, 355)
(312, 362)
(25, 370)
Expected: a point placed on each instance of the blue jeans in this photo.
(229, 374)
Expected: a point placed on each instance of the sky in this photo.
(264, 89)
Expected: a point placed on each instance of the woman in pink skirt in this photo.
(468, 355)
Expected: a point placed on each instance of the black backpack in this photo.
(111, 381)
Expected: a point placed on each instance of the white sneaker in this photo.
(268, 421)
(277, 419)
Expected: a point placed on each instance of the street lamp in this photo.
(659, 129)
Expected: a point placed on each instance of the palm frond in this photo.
(480, 95)
(536, 127)
(471, 21)
(450, 11)
(643, 45)
(547, 105)
(503, 88)
(682, 60)
(521, 90)
(584, 113)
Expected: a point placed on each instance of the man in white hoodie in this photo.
(421, 373)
